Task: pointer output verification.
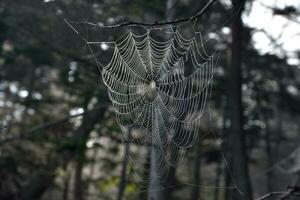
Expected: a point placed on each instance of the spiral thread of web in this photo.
(152, 96)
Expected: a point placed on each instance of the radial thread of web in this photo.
(154, 98)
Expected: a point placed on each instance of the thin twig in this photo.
(292, 191)
(269, 195)
(285, 16)
(155, 24)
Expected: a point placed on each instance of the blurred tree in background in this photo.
(59, 137)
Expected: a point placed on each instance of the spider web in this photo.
(152, 94)
(159, 81)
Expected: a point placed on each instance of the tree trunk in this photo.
(122, 183)
(218, 180)
(78, 184)
(279, 134)
(237, 138)
(66, 182)
(268, 146)
(196, 170)
(220, 169)
(81, 136)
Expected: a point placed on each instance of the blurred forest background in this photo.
(58, 135)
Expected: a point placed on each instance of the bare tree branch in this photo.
(277, 11)
(292, 191)
(155, 24)
(271, 194)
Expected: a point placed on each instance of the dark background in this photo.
(59, 137)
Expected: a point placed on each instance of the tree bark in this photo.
(81, 134)
(238, 148)
(220, 169)
(218, 180)
(268, 146)
(122, 183)
(66, 182)
(78, 183)
(196, 170)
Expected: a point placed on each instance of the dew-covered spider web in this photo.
(150, 92)
(159, 82)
